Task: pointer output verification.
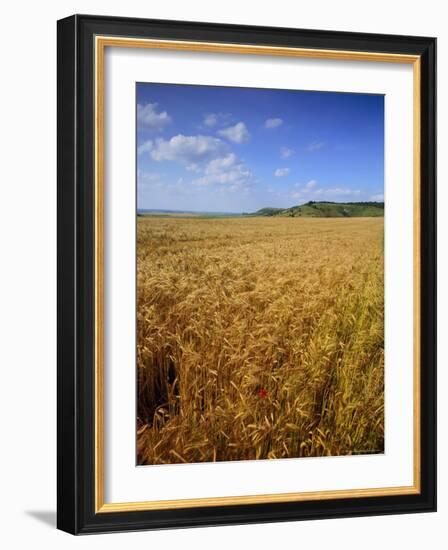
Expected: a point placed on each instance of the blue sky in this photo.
(222, 149)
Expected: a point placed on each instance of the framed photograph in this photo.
(246, 274)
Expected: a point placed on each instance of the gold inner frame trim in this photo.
(101, 42)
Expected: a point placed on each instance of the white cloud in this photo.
(211, 120)
(187, 149)
(310, 191)
(310, 185)
(280, 172)
(148, 179)
(377, 198)
(237, 133)
(216, 119)
(285, 152)
(315, 145)
(144, 147)
(227, 170)
(340, 191)
(273, 122)
(148, 117)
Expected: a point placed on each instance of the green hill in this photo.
(314, 209)
(268, 212)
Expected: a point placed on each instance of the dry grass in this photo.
(259, 338)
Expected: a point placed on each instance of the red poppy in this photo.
(262, 393)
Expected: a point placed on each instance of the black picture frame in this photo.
(76, 255)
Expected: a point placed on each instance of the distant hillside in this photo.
(313, 209)
(268, 212)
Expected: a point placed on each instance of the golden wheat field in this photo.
(259, 338)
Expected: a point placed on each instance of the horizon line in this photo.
(246, 212)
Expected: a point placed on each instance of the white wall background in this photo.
(28, 272)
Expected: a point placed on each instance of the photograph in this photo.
(259, 273)
(246, 221)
